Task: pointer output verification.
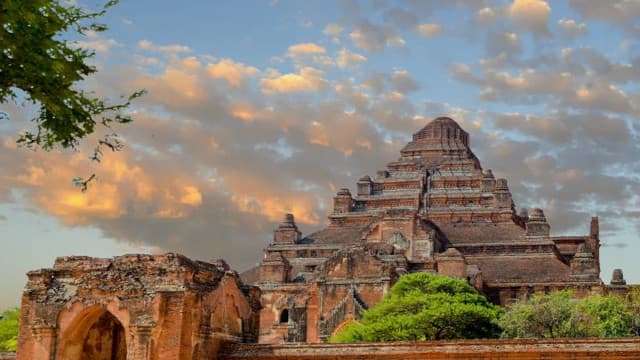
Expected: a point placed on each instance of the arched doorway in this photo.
(105, 339)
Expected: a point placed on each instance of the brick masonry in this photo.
(433, 209)
(592, 349)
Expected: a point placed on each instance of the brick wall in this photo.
(467, 349)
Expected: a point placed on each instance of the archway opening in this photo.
(105, 340)
(284, 316)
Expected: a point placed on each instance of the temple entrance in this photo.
(105, 340)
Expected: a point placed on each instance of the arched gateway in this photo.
(95, 334)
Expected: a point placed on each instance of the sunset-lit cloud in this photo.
(307, 79)
(234, 73)
(530, 14)
(262, 118)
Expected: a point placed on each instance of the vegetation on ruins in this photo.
(423, 306)
(558, 315)
(39, 66)
(9, 330)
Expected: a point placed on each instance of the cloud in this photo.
(164, 49)
(234, 73)
(612, 11)
(531, 15)
(403, 82)
(429, 30)
(307, 79)
(98, 45)
(486, 16)
(375, 38)
(348, 58)
(504, 42)
(332, 29)
(571, 28)
(306, 49)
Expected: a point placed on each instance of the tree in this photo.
(558, 315)
(606, 316)
(633, 297)
(9, 330)
(424, 306)
(37, 63)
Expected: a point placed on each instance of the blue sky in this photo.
(257, 108)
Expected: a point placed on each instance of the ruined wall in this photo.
(135, 307)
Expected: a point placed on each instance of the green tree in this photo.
(558, 315)
(424, 306)
(38, 63)
(9, 330)
(606, 316)
(633, 298)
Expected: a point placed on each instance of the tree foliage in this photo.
(9, 330)
(37, 60)
(633, 297)
(424, 306)
(558, 315)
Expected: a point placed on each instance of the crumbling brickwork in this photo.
(134, 307)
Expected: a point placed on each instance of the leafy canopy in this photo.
(424, 306)
(36, 60)
(558, 315)
(9, 330)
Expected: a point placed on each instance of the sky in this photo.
(259, 108)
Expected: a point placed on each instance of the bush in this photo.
(9, 330)
(558, 315)
(424, 306)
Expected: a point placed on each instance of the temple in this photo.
(434, 209)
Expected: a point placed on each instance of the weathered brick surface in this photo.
(134, 306)
(434, 209)
(611, 349)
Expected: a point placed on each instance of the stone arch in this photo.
(93, 332)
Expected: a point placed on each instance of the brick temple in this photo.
(435, 209)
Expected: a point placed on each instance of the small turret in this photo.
(287, 231)
(502, 194)
(618, 278)
(365, 186)
(342, 202)
(537, 224)
(583, 265)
